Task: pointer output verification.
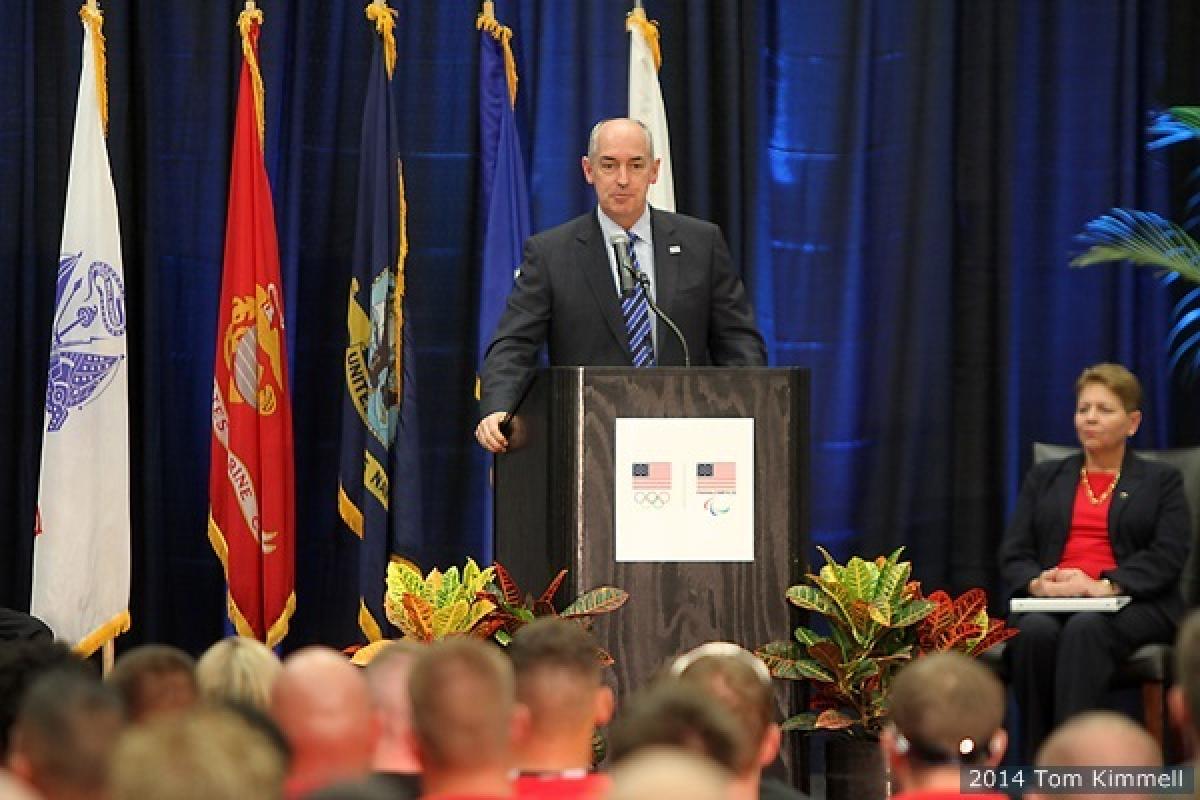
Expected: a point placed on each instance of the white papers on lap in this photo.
(1068, 605)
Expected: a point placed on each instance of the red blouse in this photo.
(1088, 547)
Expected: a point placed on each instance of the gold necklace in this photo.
(1087, 487)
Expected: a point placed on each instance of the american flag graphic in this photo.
(651, 475)
(718, 477)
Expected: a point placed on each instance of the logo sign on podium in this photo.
(684, 489)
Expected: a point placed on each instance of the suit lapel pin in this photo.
(1123, 495)
(674, 249)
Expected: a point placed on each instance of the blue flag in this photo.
(503, 197)
(379, 478)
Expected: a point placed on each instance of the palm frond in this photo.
(1142, 238)
(1183, 340)
(1147, 239)
(1176, 124)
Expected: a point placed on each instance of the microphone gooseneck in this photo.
(644, 280)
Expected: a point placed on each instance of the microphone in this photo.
(621, 244)
(644, 280)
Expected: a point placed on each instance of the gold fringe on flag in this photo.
(486, 21)
(649, 29)
(94, 19)
(398, 299)
(245, 22)
(385, 23)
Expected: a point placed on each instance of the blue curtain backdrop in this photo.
(899, 180)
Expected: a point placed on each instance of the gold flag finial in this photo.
(649, 29)
(93, 18)
(385, 23)
(246, 21)
(486, 21)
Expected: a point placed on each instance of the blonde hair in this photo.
(239, 669)
(1117, 379)
(209, 754)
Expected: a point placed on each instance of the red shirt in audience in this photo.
(570, 785)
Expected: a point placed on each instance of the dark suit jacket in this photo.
(565, 297)
(1148, 524)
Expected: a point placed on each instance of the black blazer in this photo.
(1148, 524)
(565, 298)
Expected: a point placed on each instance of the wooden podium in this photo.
(556, 494)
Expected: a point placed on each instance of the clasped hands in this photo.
(1069, 582)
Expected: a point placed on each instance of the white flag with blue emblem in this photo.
(81, 546)
(646, 101)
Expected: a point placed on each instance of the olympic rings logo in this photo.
(652, 499)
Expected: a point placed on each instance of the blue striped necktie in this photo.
(636, 310)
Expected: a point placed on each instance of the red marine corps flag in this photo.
(251, 490)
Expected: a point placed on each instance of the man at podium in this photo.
(588, 288)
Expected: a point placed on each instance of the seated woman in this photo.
(1103, 522)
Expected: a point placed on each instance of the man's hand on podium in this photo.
(488, 434)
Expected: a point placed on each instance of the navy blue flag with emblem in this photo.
(503, 196)
(379, 478)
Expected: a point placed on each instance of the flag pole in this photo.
(109, 649)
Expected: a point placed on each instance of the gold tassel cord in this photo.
(487, 22)
(398, 298)
(94, 19)
(245, 23)
(385, 24)
(649, 30)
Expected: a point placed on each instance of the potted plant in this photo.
(486, 603)
(878, 620)
(440, 604)
(513, 609)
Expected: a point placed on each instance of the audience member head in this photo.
(739, 681)
(671, 713)
(208, 754)
(464, 716)
(17, 626)
(946, 710)
(13, 789)
(64, 734)
(21, 663)
(238, 668)
(260, 720)
(1183, 699)
(1098, 738)
(558, 676)
(155, 679)
(387, 679)
(321, 703)
(668, 773)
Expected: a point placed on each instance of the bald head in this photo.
(1100, 738)
(614, 125)
(320, 701)
(620, 166)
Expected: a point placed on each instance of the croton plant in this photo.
(878, 619)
